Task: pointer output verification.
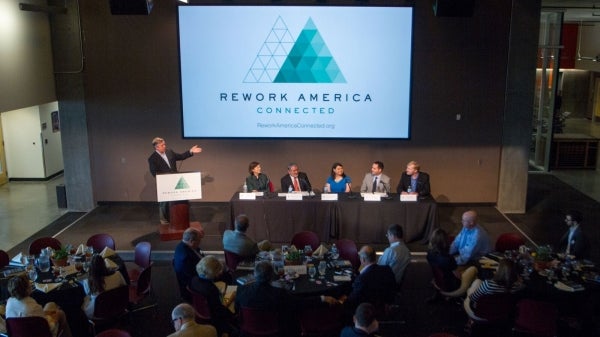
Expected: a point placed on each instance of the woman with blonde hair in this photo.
(210, 269)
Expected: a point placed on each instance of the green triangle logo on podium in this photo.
(182, 184)
(308, 61)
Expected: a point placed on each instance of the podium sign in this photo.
(178, 186)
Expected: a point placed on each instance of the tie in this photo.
(296, 186)
(374, 189)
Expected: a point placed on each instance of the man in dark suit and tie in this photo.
(413, 181)
(164, 160)
(296, 179)
(374, 284)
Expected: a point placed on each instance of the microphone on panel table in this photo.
(385, 189)
(351, 194)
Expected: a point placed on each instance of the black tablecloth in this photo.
(276, 219)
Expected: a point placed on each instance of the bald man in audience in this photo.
(472, 242)
(183, 318)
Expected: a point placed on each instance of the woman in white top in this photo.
(21, 304)
(99, 280)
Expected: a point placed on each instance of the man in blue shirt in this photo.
(472, 242)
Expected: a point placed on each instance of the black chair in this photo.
(32, 326)
(109, 307)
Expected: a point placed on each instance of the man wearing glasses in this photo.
(185, 325)
(397, 255)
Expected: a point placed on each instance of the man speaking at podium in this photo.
(164, 160)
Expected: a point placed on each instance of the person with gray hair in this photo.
(296, 180)
(237, 241)
(209, 269)
(183, 316)
(397, 255)
(186, 257)
(164, 160)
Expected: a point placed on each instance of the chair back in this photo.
(31, 326)
(113, 333)
(200, 304)
(111, 303)
(496, 307)
(509, 241)
(38, 244)
(142, 253)
(232, 260)
(257, 322)
(321, 321)
(142, 287)
(4, 259)
(304, 238)
(99, 241)
(271, 187)
(536, 318)
(348, 251)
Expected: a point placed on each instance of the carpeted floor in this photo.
(131, 223)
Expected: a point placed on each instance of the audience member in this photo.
(376, 181)
(262, 295)
(298, 181)
(99, 280)
(472, 242)
(365, 323)
(183, 318)
(186, 257)
(257, 181)
(237, 241)
(375, 284)
(338, 181)
(413, 181)
(438, 256)
(21, 304)
(208, 270)
(164, 160)
(397, 255)
(574, 242)
(506, 280)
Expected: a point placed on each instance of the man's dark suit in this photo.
(184, 263)
(423, 187)
(579, 244)
(286, 182)
(158, 165)
(264, 296)
(376, 285)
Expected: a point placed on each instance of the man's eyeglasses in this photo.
(175, 320)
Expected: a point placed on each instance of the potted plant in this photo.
(542, 257)
(293, 258)
(60, 256)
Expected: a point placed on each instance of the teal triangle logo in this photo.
(306, 60)
(182, 184)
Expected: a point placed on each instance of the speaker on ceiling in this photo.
(453, 8)
(131, 7)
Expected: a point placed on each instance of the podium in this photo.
(177, 189)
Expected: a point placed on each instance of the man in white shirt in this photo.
(397, 255)
(376, 181)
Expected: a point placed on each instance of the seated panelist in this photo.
(295, 180)
(338, 181)
(413, 181)
(257, 181)
(376, 181)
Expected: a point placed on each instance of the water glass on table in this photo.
(312, 271)
(322, 269)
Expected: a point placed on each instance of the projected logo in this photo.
(283, 60)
